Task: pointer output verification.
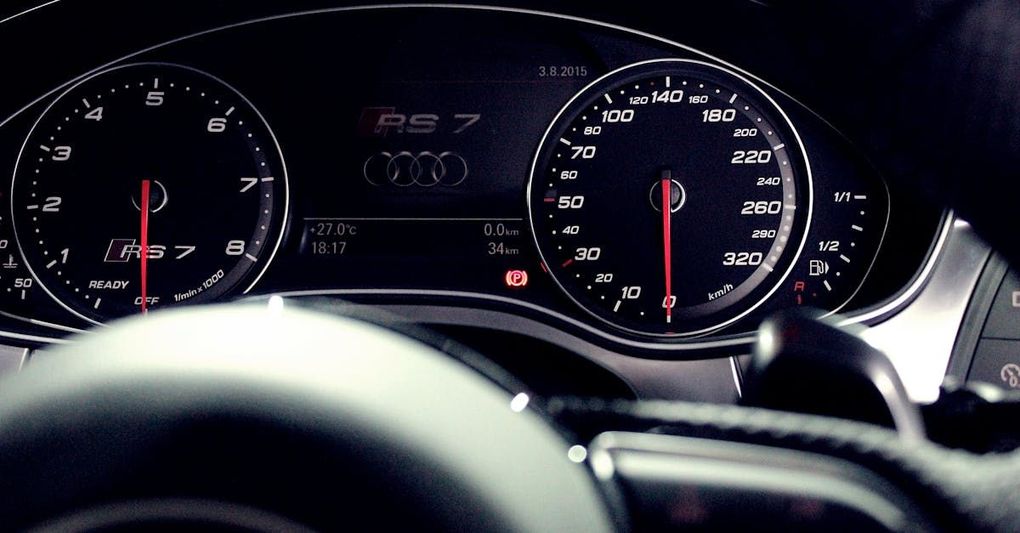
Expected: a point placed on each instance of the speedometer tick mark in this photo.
(608, 98)
(564, 141)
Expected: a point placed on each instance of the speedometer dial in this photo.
(146, 186)
(670, 198)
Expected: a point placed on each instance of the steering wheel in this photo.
(269, 418)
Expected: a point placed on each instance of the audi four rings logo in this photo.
(423, 169)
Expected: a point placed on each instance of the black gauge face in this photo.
(148, 186)
(670, 198)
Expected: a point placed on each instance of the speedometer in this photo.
(670, 198)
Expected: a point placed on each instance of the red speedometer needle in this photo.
(667, 246)
(143, 204)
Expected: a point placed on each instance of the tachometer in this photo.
(145, 186)
(670, 197)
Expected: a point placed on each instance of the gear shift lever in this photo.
(806, 363)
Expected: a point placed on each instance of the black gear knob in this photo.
(808, 363)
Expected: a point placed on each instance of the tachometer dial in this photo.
(145, 186)
(670, 197)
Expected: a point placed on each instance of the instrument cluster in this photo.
(640, 195)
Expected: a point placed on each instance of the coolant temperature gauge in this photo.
(19, 293)
(841, 248)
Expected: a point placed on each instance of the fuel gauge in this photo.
(846, 234)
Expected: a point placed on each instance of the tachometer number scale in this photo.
(146, 186)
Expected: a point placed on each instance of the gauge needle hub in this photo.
(667, 246)
(143, 252)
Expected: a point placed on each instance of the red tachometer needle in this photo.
(144, 251)
(667, 247)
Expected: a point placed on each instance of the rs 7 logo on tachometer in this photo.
(123, 250)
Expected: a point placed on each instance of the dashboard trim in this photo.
(919, 339)
(891, 307)
(27, 11)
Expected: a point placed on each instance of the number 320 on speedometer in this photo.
(670, 198)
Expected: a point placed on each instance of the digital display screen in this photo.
(427, 164)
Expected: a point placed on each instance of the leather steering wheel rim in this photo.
(323, 420)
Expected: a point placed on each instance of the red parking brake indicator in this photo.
(516, 279)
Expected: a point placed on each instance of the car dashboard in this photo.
(599, 210)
